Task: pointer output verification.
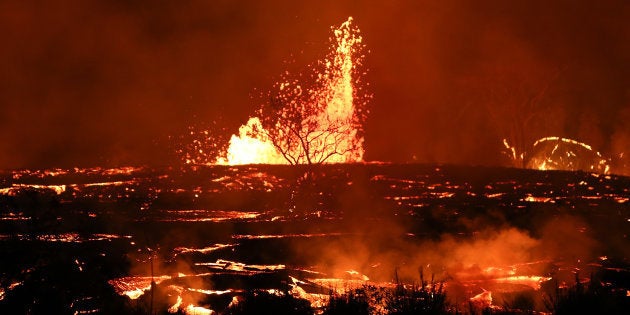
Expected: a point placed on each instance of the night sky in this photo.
(105, 83)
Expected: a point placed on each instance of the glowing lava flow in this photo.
(318, 124)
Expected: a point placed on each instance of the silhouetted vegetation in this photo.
(427, 297)
(260, 302)
(588, 298)
(352, 302)
(424, 298)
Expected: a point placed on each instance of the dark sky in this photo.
(105, 82)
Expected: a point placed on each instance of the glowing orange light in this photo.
(327, 130)
(252, 146)
(555, 153)
(175, 307)
(567, 154)
(134, 287)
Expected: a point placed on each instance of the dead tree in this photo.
(303, 132)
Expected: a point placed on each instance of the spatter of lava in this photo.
(318, 117)
(555, 153)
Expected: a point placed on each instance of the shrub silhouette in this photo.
(264, 303)
(593, 298)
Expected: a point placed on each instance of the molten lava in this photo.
(555, 153)
(252, 146)
(317, 121)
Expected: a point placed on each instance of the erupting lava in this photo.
(251, 146)
(313, 119)
(555, 153)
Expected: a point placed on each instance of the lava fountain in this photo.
(555, 153)
(313, 118)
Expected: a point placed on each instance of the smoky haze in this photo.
(107, 82)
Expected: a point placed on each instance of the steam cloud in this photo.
(486, 252)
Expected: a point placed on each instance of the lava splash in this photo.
(312, 119)
(556, 153)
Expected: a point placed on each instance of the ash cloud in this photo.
(106, 82)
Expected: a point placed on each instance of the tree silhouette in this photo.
(318, 117)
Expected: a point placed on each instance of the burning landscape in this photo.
(287, 214)
(93, 240)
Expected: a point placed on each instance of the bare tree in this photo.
(303, 133)
(319, 117)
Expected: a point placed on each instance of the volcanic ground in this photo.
(92, 239)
